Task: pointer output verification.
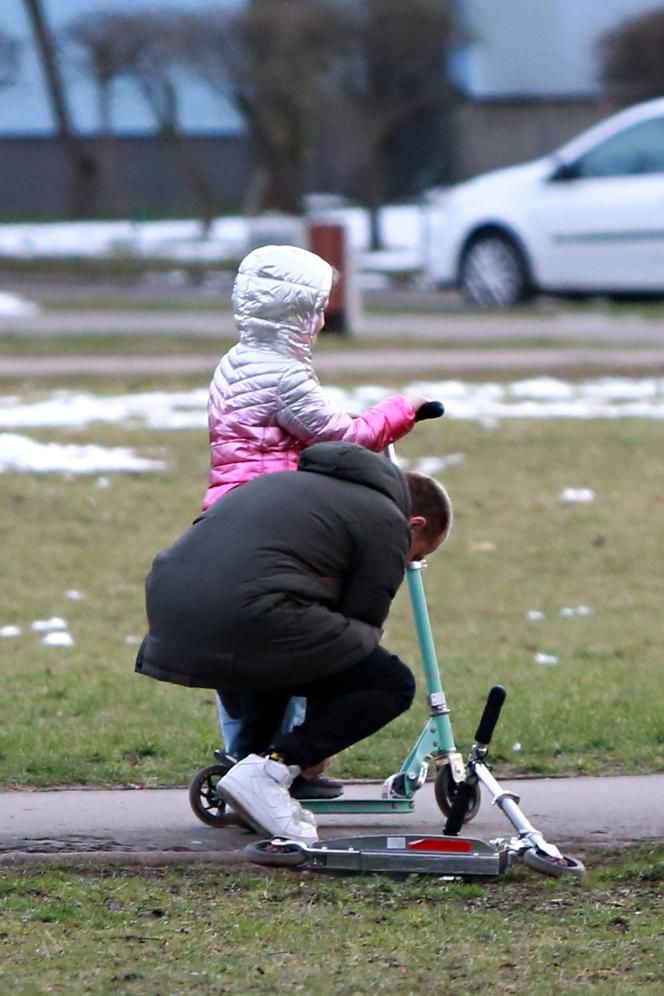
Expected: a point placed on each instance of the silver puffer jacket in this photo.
(266, 404)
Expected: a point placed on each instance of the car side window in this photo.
(636, 151)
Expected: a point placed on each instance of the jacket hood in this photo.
(278, 294)
(350, 462)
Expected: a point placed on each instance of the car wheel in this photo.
(493, 273)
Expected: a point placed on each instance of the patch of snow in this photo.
(577, 495)
(534, 615)
(74, 595)
(61, 639)
(227, 240)
(24, 454)
(545, 660)
(579, 610)
(13, 306)
(132, 641)
(516, 747)
(47, 625)
(7, 632)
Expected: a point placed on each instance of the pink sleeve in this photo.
(305, 413)
(381, 425)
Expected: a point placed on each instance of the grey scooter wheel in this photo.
(276, 852)
(556, 867)
(203, 798)
(445, 789)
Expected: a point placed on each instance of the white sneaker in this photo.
(257, 788)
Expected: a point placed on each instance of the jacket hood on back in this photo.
(278, 294)
(350, 462)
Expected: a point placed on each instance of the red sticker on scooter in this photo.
(449, 845)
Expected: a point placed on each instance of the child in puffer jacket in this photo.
(266, 405)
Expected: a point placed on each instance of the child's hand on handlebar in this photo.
(425, 409)
(416, 402)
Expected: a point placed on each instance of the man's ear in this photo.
(417, 522)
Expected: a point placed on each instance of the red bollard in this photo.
(329, 242)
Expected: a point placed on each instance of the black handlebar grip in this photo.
(494, 704)
(430, 409)
(458, 811)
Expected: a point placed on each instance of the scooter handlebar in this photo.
(430, 409)
(487, 724)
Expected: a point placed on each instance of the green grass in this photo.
(123, 264)
(79, 715)
(113, 344)
(210, 930)
(141, 343)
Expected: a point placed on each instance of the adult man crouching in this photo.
(282, 589)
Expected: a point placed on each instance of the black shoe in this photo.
(316, 788)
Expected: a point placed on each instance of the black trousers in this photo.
(342, 709)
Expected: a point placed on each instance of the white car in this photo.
(587, 219)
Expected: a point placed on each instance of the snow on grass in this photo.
(571, 496)
(487, 403)
(48, 625)
(58, 639)
(228, 239)
(12, 306)
(539, 398)
(24, 454)
(545, 660)
(10, 631)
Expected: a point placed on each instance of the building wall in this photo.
(143, 175)
(495, 133)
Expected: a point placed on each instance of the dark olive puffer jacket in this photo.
(286, 579)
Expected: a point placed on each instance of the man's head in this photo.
(431, 515)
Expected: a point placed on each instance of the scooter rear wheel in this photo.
(445, 790)
(275, 852)
(555, 867)
(203, 798)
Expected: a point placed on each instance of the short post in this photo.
(329, 241)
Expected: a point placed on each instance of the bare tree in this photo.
(83, 162)
(154, 61)
(396, 95)
(632, 57)
(145, 48)
(104, 48)
(273, 60)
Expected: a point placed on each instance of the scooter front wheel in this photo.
(203, 798)
(543, 863)
(445, 789)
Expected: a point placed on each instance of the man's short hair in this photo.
(431, 500)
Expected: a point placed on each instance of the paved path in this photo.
(587, 326)
(155, 825)
(574, 340)
(423, 361)
(439, 362)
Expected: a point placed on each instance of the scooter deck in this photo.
(411, 854)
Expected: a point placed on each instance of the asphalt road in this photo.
(439, 327)
(156, 825)
(436, 363)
